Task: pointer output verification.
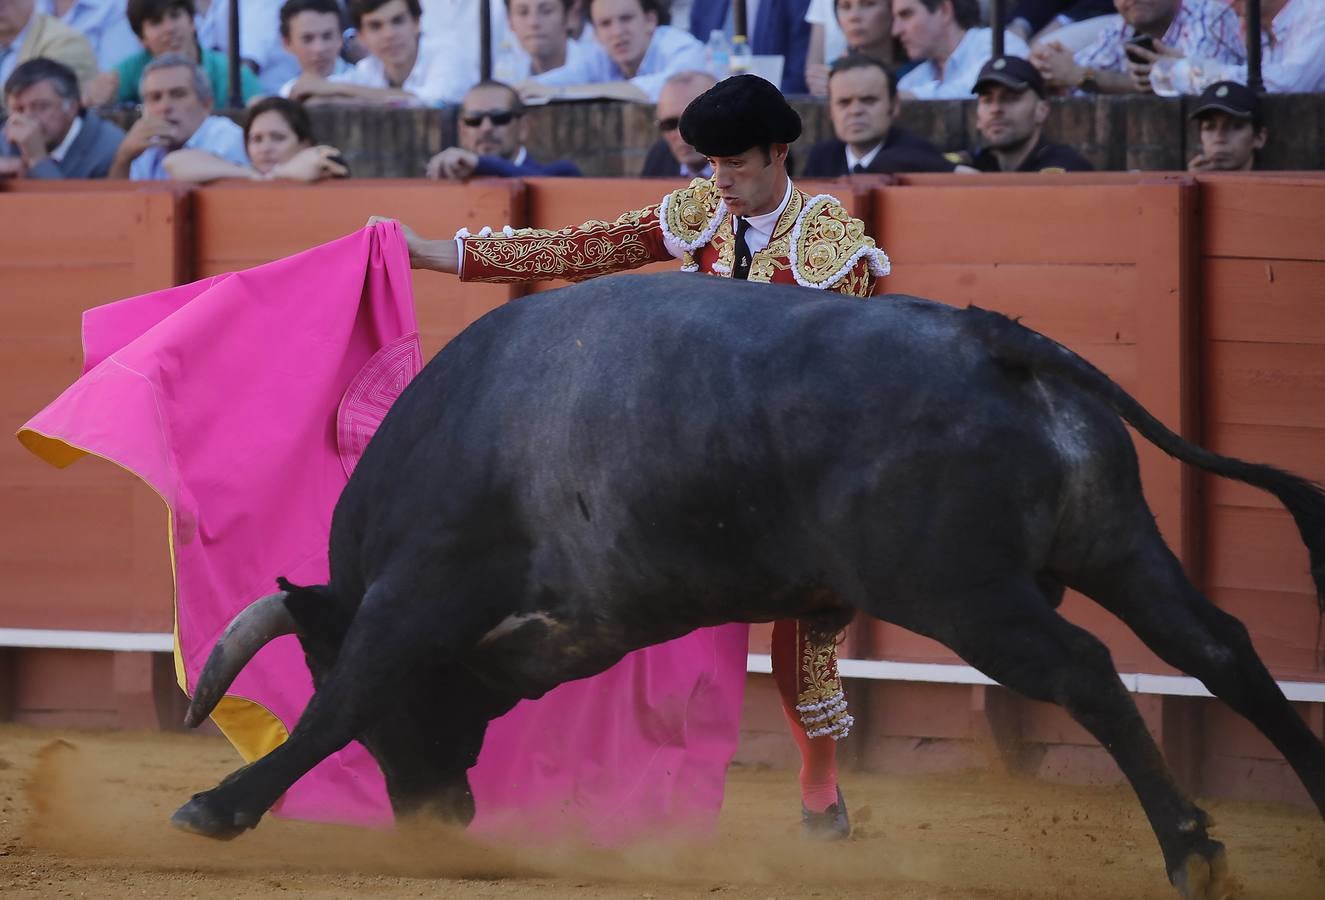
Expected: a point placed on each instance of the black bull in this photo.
(614, 464)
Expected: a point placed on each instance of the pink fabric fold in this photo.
(245, 400)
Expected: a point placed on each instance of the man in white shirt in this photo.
(177, 113)
(634, 57)
(399, 69)
(942, 33)
(311, 32)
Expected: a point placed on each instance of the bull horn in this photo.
(261, 622)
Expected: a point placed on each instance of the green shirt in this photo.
(214, 64)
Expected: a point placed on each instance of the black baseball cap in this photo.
(1010, 71)
(1229, 97)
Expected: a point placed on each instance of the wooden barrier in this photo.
(1211, 320)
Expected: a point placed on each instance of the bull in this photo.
(611, 465)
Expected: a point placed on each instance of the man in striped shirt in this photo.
(1205, 28)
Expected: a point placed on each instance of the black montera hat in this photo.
(1226, 96)
(1010, 71)
(736, 114)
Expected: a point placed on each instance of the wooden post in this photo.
(236, 94)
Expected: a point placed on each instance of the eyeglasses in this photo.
(497, 117)
(666, 125)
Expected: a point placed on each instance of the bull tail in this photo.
(1014, 346)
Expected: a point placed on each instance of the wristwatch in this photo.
(1090, 81)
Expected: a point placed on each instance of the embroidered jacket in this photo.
(815, 243)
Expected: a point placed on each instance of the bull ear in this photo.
(321, 620)
(262, 621)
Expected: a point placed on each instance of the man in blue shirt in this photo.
(634, 56)
(492, 134)
(177, 112)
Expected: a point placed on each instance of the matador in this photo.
(747, 221)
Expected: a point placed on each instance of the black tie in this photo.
(857, 169)
(741, 269)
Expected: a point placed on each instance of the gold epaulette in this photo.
(691, 215)
(827, 242)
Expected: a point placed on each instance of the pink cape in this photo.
(245, 400)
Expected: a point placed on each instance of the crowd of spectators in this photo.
(63, 61)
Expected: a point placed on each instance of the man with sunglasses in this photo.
(492, 133)
(747, 221)
(671, 155)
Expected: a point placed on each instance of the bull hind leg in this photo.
(383, 644)
(1149, 591)
(1013, 636)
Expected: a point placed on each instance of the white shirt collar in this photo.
(520, 156)
(761, 226)
(853, 160)
(58, 153)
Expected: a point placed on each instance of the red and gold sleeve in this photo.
(583, 251)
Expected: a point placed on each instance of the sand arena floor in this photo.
(83, 814)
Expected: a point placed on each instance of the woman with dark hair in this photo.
(279, 140)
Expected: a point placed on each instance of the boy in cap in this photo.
(1229, 117)
(1010, 115)
(747, 221)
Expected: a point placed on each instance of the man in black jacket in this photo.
(1010, 117)
(863, 103)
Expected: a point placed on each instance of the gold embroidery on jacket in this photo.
(690, 209)
(827, 240)
(574, 253)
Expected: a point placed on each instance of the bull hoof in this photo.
(1204, 874)
(199, 816)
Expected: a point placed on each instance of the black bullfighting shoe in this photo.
(830, 825)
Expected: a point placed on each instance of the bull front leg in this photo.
(381, 648)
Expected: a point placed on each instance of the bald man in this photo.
(671, 156)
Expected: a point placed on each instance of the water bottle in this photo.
(742, 58)
(717, 54)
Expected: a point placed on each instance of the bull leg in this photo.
(1150, 592)
(382, 646)
(1015, 638)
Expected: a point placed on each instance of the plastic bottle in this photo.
(742, 58)
(717, 54)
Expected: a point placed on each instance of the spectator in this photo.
(542, 40)
(279, 141)
(165, 27)
(492, 134)
(1204, 28)
(941, 35)
(49, 131)
(260, 45)
(177, 112)
(863, 104)
(102, 22)
(864, 26)
(1036, 18)
(399, 69)
(27, 34)
(1229, 117)
(774, 27)
(671, 155)
(311, 31)
(1010, 117)
(1292, 52)
(634, 56)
